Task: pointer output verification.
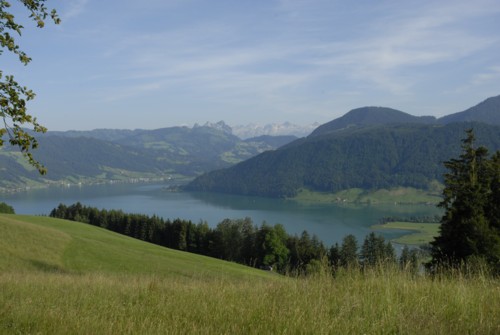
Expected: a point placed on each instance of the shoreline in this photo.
(68, 184)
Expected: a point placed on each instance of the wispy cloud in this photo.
(428, 37)
(307, 58)
(120, 93)
(396, 44)
(492, 74)
(73, 9)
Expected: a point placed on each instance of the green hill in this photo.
(370, 158)
(61, 277)
(34, 243)
(79, 160)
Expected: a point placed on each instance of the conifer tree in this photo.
(469, 226)
(409, 259)
(334, 255)
(375, 251)
(349, 251)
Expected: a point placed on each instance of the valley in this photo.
(369, 148)
(337, 184)
(351, 186)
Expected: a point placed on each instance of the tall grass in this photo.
(60, 277)
(373, 302)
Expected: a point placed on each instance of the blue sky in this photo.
(160, 63)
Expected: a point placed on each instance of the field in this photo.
(36, 243)
(400, 195)
(422, 232)
(60, 277)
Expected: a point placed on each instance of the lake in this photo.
(331, 222)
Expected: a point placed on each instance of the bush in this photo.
(7, 209)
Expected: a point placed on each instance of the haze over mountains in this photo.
(274, 129)
(244, 132)
(369, 147)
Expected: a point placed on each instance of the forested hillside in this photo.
(369, 158)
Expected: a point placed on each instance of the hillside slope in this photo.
(79, 160)
(33, 243)
(368, 158)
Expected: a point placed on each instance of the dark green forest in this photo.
(375, 157)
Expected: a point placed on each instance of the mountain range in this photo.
(273, 129)
(111, 154)
(244, 132)
(368, 148)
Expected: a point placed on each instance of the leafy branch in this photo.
(14, 96)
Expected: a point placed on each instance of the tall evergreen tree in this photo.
(349, 251)
(375, 251)
(409, 260)
(469, 226)
(334, 255)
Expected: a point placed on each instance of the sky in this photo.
(151, 64)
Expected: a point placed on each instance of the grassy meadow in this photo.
(61, 277)
(422, 232)
(399, 195)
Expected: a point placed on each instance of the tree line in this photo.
(240, 240)
(412, 218)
